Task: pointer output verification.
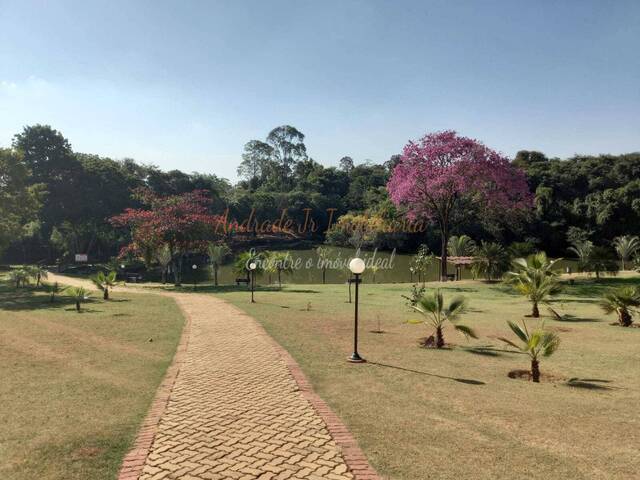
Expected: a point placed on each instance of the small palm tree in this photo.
(462, 246)
(324, 255)
(280, 262)
(164, 258)
(491, 261)
(583, 250)
(217, 255)
(38, 272)
(432, 308)
(537, 343)
(20, 277)
(623, 302)
(52, 289)
(105, 282)
(79, 295)
(534, 278)
(241, 264)
(626, 246)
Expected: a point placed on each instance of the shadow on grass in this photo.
(467, 381)
(231, 289)
(595, 288)
(589, 384)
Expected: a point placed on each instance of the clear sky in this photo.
(184, 84)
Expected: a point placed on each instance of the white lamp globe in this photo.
(194, 266)
(252, 266)
(356, 266)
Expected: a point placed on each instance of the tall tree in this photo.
(19, 199)
(346, 164)
(288, 149)
(255, 163)
(443, 172)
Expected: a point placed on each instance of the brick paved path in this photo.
(235, 410)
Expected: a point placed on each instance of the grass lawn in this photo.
(75, 386)
(452, 414)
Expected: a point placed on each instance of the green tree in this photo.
(217, 252)
(624, 302)
(491, 261)
(537, 343)
(79, 295)
(20, 200)
(105, 282)
(20, 277)
(288, 147)
(279, 262)
(461, 246)
(164, 257)
(534, 278)
(435, 314)
(324, 257)
(627, 246)
(421, 262)
(52, 289)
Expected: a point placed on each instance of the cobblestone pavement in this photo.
(235, 411)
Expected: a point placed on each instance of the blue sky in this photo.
(186, 84)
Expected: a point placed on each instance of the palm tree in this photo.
(38, 272)
(79, 295)
(280, 262)
(462, 246)
(534, 278)
(324, 255)
(105, 282)
(164, 257)
(432, 308)
(20, 276)
(52, 289)
(217, 254)
(623, 301)
(241, 264)
(583, 250)
(491, 261)
(536, 343)
(626, 246)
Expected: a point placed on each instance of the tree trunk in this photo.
(349, 282)
(105, 295)
(279, 280)
(443, 251)
(53, 297)
(439, 338)
(535, 313)
(164, 275)
(215, 276)
(624, 317)
(324, 272)
(77, 305)
(535, 371)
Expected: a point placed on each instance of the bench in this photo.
(132, 277)
(242, 280)
(451, 277)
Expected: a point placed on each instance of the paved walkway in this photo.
(234, 410)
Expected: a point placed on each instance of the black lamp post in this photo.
(357, 267)
(194, 267)
(252, 269)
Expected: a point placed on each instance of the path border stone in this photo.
(134, 461)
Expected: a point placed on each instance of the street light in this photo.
(356, 266)
(194, 267)
(252, 269)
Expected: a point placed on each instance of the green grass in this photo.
(451, 414)
(75, 386)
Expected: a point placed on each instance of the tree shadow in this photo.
(489, 351)
(589, 384)
(466, 381)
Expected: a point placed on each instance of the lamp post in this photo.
(252, 269)
(194, 267)
(356, 266)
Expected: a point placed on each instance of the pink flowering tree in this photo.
(443, 172)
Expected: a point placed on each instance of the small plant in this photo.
(105, 282)
(435, 314)
(79, 295)
(537, 343)
(624, 302)
(52, 289)
(38, 272)
(626, 247)
(534, 278)
(417, 292)
(20, 277)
